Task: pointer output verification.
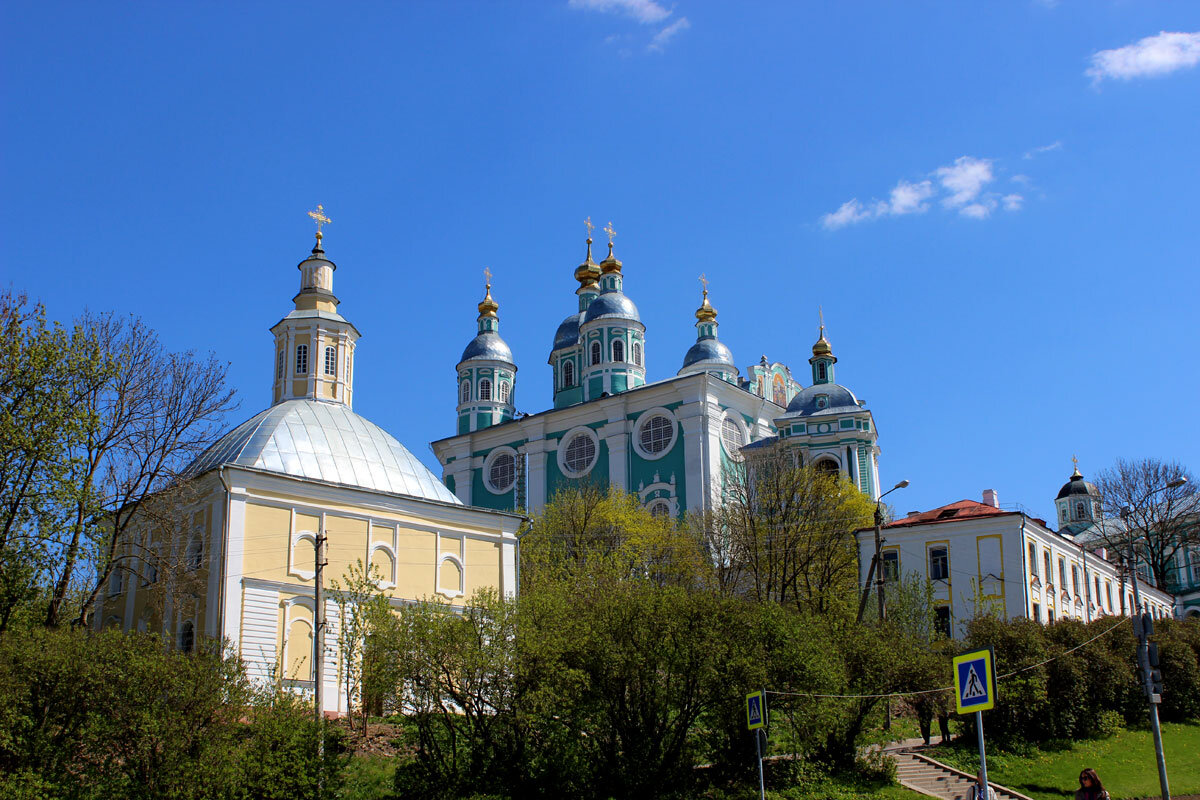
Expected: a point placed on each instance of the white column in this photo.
(231, 612)
(691, 421)
(616, 435)
(535, 474)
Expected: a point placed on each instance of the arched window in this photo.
(637, 354)
(485, 389)
(187, 637)
(1046, 565)
(657, 433)
(579, 454)
(568, 375)
(827, 465)
(732, 437)
(279, 365)
(821, 370)
(465, 393)
(301, 359)
(1080, 511)
(504, 391)
(618, 350)
(331, 361)
(596, 350)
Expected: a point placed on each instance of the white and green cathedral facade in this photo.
(667, 441)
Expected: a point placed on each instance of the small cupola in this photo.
(823, 359)
(486, 372)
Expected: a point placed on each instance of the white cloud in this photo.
(962, 186)
(1149, 57)
(849, 213)
(1046, 148)
(909, 198)
(964, 180)
(647, 12)
(666, 34)
(1024, 180)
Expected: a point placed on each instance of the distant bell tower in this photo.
(487, 373)
(314, 344)
(823, 359)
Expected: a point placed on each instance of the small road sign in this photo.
(756, 711)
(974, 681)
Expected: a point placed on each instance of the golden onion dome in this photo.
(706, 313)
(822, 347)
(610, 263)
(487, 306)
(588, 272)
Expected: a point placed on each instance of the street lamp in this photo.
(1143, 651)
(879, 545)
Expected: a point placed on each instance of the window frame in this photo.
(636, 351)
(464, 393)
(331, 360)
(485, 389)
(944, 549)
(505, 392)
(568, 374)
(490, 462)
(597, 352)
(643, 420)
(566, 441)
(736, 419)
(618, 351)
(301, 359)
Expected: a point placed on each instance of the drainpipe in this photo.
(1024, 571)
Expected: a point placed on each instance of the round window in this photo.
(580, 454)
(502, 472)
(732, 437)
(660, 508)
(655, 435)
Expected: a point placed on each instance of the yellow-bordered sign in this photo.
(975, 681)
(756, 711)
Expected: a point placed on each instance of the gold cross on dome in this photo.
(487, 277)
(704, 282)
(1075, 461)
(821, 317)
(611, 231)
(319, 217)
(590, 227)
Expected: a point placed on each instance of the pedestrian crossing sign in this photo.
(756, 712)
(975, 681)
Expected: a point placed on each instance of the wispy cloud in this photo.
(963, 187)
(1150, 57)
(1046, 148)
(646, 12)
(666, 34)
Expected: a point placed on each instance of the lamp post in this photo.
(1143, 651)
(879, 547)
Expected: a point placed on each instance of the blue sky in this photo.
(994, 202)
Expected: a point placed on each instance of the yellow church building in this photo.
(259, 499)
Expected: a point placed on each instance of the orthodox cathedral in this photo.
(667, 441)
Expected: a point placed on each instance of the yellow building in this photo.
(259, 498)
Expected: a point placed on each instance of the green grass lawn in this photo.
(1125, 763)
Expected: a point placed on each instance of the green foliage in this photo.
(120, 715)
(1075, 695)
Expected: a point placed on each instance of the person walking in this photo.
(1090, 787)
(976, 791)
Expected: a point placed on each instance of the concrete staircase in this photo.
(935, 779)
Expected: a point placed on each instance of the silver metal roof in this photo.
(611, 304)
(840, 401)
(567, 334)
(708, 350)
(325, 442)
(488, 345)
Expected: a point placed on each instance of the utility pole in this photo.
(1147, 654)
(319, 648)
(1143, 626)
(879, 560)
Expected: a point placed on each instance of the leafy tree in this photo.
(1165, 521)
(362, 608)
(42, 369)
(787, 532)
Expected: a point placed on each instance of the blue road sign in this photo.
(974, 681)
(756, 714)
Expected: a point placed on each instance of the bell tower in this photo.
(314, 344)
